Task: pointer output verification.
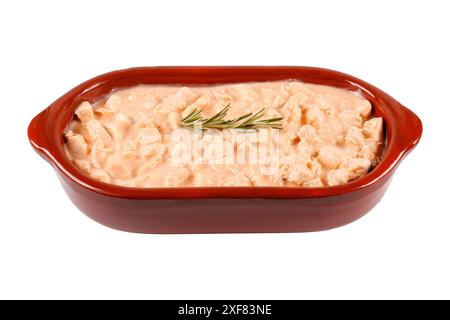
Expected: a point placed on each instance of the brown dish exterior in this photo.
(223, 209)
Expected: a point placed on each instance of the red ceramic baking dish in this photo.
(223, 209)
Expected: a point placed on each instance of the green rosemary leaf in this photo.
(246, 121)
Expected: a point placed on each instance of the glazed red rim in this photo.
(403, 128)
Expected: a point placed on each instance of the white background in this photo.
(48, 249)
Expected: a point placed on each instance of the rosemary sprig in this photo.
(247, 121)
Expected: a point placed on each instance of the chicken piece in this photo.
(114, 103)
(100, 175)
(150, 101)
(364, 108)
(96, 131)
(152, 150)
(238, 180)
(243, 92)
(293, 88)
(354, 137)
(186, 94)
(84, 112)
(83, 165)
(308, 134)
(292, 109)
(314, 183)
(118, 167)
(222, 97)
(123, 121)
(326, 134)
(129, 149)
(315, 166)
(176, 177)
(150, 163)
(373, 128)
(170, 104)
(149, 135)
(177, 101)
(350, 118)
(153, 155)
(271, 113)
(304, 151)
(356, 167)
(76, 144)
(272, 178)
(104, 113)
(99, 154)
(370, 151)
(173, 122)
(330, 157)
(337, 176)
(337, 127)
(271, 98)
(113, 130)
(202, 180)
(324, 105)
(314, 116)
(299, 173)
(202, 103)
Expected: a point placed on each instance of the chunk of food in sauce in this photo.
(135, 137)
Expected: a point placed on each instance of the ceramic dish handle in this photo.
(410, 129)
(38, 134)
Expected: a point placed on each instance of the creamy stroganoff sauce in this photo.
(133, 137)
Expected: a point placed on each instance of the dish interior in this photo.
(302, 135)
